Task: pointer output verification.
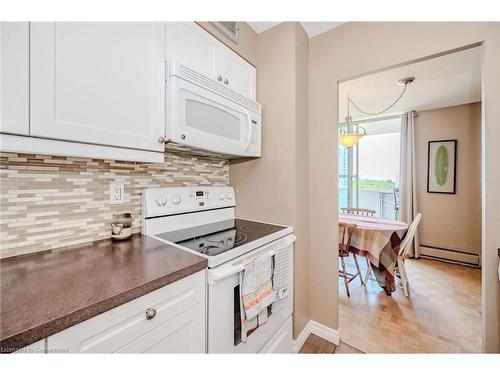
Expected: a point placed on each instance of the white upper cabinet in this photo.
(236, 73)
(14, 77)
(98, 82)
(192, 46)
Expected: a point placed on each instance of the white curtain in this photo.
(408, 175)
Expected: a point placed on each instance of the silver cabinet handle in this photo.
(150, 314)
(161, 140)
(219, 78)
(226, 81)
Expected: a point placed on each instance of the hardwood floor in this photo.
(316, 345)
(441, 315)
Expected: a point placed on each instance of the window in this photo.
(369, 172)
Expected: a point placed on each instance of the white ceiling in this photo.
(440, 82)
(311, 28)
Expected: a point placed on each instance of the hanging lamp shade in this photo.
(349, 134)
(349, 139)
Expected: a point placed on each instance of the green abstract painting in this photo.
(441, 168)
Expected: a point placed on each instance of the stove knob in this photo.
(229, 196)
(161, 201)
(176, 199)
(221, 197)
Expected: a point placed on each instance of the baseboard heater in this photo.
(450, 255)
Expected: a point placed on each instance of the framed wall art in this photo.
(441, 166)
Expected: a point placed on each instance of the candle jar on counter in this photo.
(121, 226)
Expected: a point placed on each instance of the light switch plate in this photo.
(116, 193)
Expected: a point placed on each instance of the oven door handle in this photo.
(249, 133)
(215, 276)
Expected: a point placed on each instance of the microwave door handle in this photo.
(215, 276)
(249, 133)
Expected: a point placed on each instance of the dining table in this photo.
(378, 239)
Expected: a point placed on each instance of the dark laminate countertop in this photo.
(44, 293)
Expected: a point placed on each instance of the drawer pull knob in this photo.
(150, 314)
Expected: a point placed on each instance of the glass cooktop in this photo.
(216, 238)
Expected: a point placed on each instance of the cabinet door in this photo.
(98, 82)
(14, 77)
(190, 45)
(35, 348)
(237, 74)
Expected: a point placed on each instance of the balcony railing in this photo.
(385, 203)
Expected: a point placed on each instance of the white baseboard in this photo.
(318, 329)
(301, 338)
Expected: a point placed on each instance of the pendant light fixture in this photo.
(350, 133)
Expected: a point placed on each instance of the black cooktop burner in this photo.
(216, 238)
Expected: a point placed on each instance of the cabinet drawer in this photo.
(185, 333)
(114, 329)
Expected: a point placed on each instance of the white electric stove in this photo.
(201, 220)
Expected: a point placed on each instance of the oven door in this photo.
(224, 328)
(203, 119)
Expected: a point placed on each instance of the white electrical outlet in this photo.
(116, 193)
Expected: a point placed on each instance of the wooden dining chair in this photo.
(346, 231)
(404, 251)
(362, 212)
(358, 211)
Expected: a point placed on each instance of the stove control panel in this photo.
(174, 200)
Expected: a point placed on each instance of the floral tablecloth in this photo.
(379, 240)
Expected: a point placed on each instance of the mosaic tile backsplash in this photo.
(48, 202)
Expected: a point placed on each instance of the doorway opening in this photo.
(430, 164)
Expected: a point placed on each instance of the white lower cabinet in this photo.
(183, 334)
(35, 348)
(168, 320)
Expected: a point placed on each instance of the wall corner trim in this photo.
(318, 329)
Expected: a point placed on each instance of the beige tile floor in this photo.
(441, 315)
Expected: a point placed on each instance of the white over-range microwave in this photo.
(206, 118)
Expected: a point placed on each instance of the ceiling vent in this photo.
(229, 29)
